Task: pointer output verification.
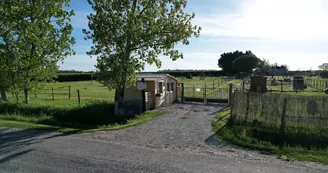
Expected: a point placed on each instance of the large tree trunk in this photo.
(4, 95)
(26, 96)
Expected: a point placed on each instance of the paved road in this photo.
(179, 141)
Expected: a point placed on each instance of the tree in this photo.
(130, 33)
(246, 63)
(36, 35)
(264, 64)
(226, 60)
(323, 66)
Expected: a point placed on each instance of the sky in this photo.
(292, 32)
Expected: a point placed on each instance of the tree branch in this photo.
(144, 9)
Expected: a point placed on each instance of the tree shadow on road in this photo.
(14, 143)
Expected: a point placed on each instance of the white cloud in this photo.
(295, 60)
(196, 60)
(270, 19)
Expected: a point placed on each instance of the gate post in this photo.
(143, 96)
(230, 94)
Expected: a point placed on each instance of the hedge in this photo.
(72, 77)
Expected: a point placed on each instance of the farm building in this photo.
(160, 90)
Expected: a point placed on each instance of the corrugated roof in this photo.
(153, 77)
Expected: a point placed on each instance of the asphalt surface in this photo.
(179, 141)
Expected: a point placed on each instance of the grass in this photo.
(89, 91)
(195, 81)
(89, 118)
(96, 111)
(239, 136)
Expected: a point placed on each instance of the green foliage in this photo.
(35, 35)
(72, 77)
(226, 60)
(94, 116)
(323, 66)
(264, 64)
(246, 63)
(128, 34)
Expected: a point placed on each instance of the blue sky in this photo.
(292, 32)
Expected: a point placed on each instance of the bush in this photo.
(91, 115)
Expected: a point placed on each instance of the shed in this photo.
(161, 89)
(258, 84)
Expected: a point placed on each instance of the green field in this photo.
(208, 81)
(95, 111)
(89, 91)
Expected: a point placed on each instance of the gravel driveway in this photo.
(179, 141)
(185, 127)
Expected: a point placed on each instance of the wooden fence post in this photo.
(247, 107)
(283, 123)
(78, 97)
(213, 84)
(52, 93)
(233, 102)
(193, 90)
(182, 92)
(69, 92)
(205, 93)
(230, 94)
(282, 88)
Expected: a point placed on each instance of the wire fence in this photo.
(53, 93)
(268, 109)
(281, 119)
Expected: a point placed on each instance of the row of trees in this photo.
(238, 61)
(127, 34)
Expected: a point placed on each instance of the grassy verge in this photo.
(18, 121)
(236, 136)
(94, 116)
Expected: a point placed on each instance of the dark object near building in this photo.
(189, 76)
(258, 84)
(298, 83)
(326, 91)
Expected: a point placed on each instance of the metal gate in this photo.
(194, 94)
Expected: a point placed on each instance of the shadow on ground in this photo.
(14, 143)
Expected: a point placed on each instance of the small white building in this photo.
(161, 90)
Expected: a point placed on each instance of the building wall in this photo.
(167, 97)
